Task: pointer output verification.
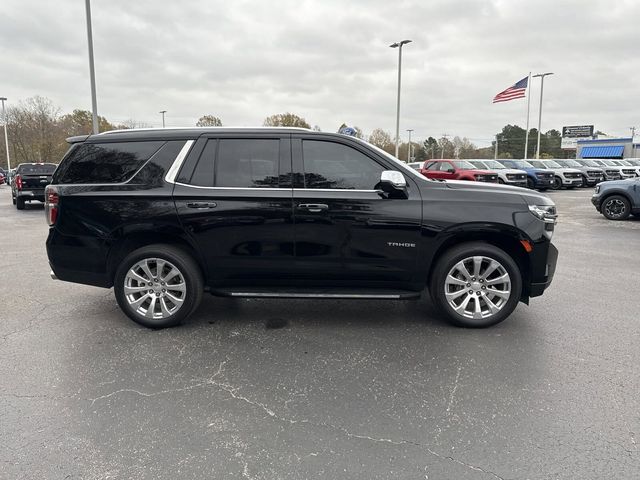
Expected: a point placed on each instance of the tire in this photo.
(616, 207)
(448, 266)
(530, 183)
(585, 184)
(20, 203)
(182, 291)
(557, 183)
(500, 181)
(13, 199)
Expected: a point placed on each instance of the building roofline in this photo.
(604, 140)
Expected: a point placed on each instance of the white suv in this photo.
(508, 176)
(563, 176)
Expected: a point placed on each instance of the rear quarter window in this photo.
(104, 162)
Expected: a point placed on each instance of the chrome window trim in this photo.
(170, 177)
(278, 189)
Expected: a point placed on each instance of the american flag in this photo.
(515, 91)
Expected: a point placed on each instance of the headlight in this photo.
(597, 188)
(546, 213)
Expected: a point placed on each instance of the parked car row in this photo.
(534, 174)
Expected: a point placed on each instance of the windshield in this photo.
(569, 163)
(610, 163)
(552, 164)
(521, 164)
(538, 164)
(635, 163)
(590, 163)
(478, 164)
(463, 165)
(493, 165)
(624, 162)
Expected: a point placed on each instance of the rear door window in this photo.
(105, 162)
(238, 163)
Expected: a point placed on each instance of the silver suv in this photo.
(610, 173)
(625, 172)
(563, 177)
(508, 176)
(590, 175)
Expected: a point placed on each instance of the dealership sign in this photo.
(573, 133)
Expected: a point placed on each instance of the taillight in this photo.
(18, 182)
(51, 204)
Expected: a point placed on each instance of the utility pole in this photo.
(163, 112)
(92, 70)
(399, 45)
(495, 155)
(444, 136)
(409, 149)
(6, 140)
(633, 132)
(541, 75)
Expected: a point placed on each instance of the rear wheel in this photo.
(476, 285)
(616, 207)
(20, 203)
(158, 286)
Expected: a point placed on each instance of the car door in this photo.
(234, 199)
(346, 229)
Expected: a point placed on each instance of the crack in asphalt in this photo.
(232, 391)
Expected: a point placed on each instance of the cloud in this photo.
(330, 61)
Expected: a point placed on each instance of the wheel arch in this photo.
(621, 193)
(126, 244)
(508, 240)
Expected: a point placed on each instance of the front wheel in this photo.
(476, 285)
(530, 184)
(616, 207)
(158, 286)
(557, 183)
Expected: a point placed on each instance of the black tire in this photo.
(616, 207)
(557, 183)
(585, 184)
(13, 199)
(500, 181)
(464, 251)
(530, 183)
(186, 266)
(20, 203)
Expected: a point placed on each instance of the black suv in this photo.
(163, 215)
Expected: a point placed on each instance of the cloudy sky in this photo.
(329, 61)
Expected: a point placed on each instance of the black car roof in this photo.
(186, 133)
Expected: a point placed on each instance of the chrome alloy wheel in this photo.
(615, 208)
(477, 287)
(155, 288)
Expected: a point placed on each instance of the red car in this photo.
(456, 170)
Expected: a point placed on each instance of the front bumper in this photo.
(596, 201)
(571, 182)
(543, 261)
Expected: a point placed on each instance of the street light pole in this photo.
(495, 155)
(6, 140)
(409, 149)
(163, 112)
(399, 45)
(541, 75)
(92, 72)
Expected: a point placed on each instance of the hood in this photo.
(619, 183)
(511, 171)
(530, 197)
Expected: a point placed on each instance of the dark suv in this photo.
(163, 215)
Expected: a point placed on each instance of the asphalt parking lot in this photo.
(266, 389)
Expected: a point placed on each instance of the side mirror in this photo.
(394, 184)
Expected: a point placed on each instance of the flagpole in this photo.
(526, 137)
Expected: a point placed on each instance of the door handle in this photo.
(314, 207)
(201, 205)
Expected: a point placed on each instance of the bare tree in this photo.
(209, 121)
(285, 120)
(382, 139)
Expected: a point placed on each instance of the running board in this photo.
(335, 294)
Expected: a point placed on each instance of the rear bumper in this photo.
(543, 268)
(77, 259)
(31, 194)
